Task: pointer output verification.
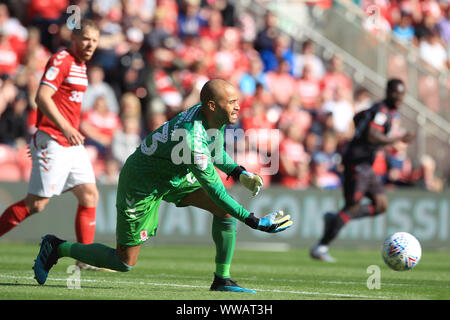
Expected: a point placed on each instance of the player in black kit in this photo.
(371, 132)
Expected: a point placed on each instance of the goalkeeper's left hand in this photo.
(273, 222)
(251, 181)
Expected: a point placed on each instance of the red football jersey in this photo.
(67, 75)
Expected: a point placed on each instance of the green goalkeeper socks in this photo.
(95, 254)
(224, 236)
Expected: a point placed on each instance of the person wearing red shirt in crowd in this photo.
(214, 29)
(294, 113)
(99, 125)
(16, 33)
(308, 89)
(60, 161)
(280, 83)
(257, 123)
(293, 158)
(335, 77)
(230, 61)
(9, 59)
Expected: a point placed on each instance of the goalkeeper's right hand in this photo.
(272, 223)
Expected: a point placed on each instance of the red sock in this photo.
(344, 217)
(85, 224)
(12, 216)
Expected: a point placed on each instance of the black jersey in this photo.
(360, 150)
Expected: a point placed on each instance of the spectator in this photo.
(258, 126)
(294, 113)
(342, 112)
(335, 76)
(322, 178)
(17, 34)
(255, 75)
(329, 154)
(247, 24)
(261, 95)
(229, 60)
(13, 121)
(46, 15)
(404, 30)
(126, 140)
(167, 10)
(433, 52)
(98, 87)
(9, 59)
(214, 28)
(190, 21)
(293, 157)
(36, 54)
(308, 56)
(135, 13)
(159, 35)
(110, 176)
(426, 177)
(266, 37)
(132, 66)
(248, 154)
(99, 125)
(424, 28)
(308, 89)
(280, 83)
(362, 100)
(444, 28)
(111, 37)
(130, 106)
(154, 120)
(281, 50)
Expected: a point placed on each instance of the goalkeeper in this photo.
(161, 169)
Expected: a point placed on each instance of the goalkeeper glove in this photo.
(273, 222)
(251, 181)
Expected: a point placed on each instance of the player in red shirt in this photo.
(60, 161)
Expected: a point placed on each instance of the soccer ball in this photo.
(401, 251)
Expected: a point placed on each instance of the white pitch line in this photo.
(198, 286)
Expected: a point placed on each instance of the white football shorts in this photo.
(56, 169)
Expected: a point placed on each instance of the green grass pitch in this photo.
(186, 272)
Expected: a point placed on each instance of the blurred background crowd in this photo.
(155, 55)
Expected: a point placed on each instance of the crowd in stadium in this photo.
(155, 55)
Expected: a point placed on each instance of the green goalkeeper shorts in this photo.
(137, 214)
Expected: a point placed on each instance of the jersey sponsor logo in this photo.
(77, 80)
(144, 235)
(201, 160)
(51, 73)
(380, 118)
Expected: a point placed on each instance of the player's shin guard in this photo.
(224, 236)
(12, 216)
(94, 254)
(85, 224)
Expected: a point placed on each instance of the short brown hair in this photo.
(85, 23)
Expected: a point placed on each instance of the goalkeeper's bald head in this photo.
(219, 100)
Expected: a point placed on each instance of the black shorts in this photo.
(359, 181)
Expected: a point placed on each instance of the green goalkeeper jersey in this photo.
(180, 148)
